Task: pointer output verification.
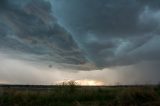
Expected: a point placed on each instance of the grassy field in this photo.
(71, 95)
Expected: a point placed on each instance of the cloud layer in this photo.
(81, 34)
(113, 32)
(30, 28)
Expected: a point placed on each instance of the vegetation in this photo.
(72, 95)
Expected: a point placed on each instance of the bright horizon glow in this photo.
(85, 82)
(4, 82)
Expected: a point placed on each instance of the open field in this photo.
(71, 95)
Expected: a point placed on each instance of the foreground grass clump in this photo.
(72, 95)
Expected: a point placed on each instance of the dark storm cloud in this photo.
(3, 4)
(113, 32)
(103, 33)
(30, 27)
(43, 41)
(106, 16)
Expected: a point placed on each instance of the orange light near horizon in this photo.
(85, 82)
(3, 82)
(90, 82)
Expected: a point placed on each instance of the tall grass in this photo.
(71, 95)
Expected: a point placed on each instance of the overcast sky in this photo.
(46, 41)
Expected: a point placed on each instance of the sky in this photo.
(107, 41)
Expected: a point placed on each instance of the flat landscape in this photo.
(73, 95)
(80, 52)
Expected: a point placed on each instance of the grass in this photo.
(72, 95)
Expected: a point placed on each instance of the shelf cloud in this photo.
(76, 35)
(113, 32)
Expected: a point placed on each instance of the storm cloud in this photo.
(113, 32)
(30, 27)
(81, 32)
(52, 40)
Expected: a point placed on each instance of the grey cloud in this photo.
(82, 32)
(34, 30)
(121, 37)
(111, 31)
(105, 17)
(3, 4)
